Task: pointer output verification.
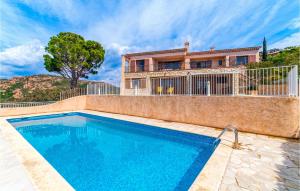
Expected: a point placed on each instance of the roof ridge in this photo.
(156, 52)
(225, 50)
(192, 53)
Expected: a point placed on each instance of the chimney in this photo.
(212, 48)
(187, 45)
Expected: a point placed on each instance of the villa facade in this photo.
(179, 71)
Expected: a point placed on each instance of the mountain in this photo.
(34, 88)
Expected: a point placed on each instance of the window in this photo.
(127, 69)
(140, 65)
(241, 60)
(174, 65)
(201, 64)
(137, 83)
(220, 62)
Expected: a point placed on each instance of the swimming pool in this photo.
(98, 153)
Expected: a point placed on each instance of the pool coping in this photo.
(45, 177)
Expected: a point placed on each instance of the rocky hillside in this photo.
(33, 88)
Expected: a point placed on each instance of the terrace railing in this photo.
(102, 89)
(72, 93)
(273, 81)
(24, 104)
(91, 89)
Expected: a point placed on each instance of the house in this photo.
(179, 71)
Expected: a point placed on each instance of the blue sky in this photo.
(131, 26)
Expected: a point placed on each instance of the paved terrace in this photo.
(261, 163)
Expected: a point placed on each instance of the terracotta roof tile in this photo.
(224, 50)
(156, 52)
(192, 53)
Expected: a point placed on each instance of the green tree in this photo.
(72, 57)
(265, 51)
(286, 57)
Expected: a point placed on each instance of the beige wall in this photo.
(71, 104)
(263, 115)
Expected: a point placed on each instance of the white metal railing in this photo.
(24, 104)
(93, 88)
(102, 89)
(72, 93)
(194, 84)
(273, 81)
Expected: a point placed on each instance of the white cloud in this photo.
(70, 11)
(118, 47)
(26, 58)
(131, 26)
(21, 55)
(295, 23)
(112, 75)
(262, 23)
(292, 40)
(160, 24)
(18, 29)
(66, 9)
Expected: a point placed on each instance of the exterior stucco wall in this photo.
(132, 92)
(71, 104)
(261, 115)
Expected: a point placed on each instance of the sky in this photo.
(126, 26)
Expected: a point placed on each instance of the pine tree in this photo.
(265, 53)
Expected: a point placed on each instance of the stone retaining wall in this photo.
(263, 115)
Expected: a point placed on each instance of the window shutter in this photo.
(132, 65)
(146, 67)
(127, 83)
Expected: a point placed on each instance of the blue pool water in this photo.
(99, 153)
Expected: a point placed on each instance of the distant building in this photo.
(166, 71)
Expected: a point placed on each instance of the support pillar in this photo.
(122, 83)
(227, 61)
(187, 64)
(151, 65)
(148, 85)
(235, 84)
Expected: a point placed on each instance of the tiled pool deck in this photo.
(261, 163)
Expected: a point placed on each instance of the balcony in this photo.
(201, 64)
(169, 66)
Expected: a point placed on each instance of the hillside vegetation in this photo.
(34, 88)
(285, 57)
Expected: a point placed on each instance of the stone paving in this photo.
(263, 163)
(12, 173)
